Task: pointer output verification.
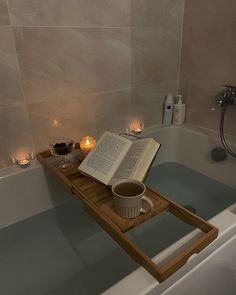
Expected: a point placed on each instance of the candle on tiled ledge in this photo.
(136, 127)
(87, 143)
(23, 163)
(23, 160)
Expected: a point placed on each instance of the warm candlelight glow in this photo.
(23, 160)
(23, 163)
(136, 127)
(87, 143)
(55, 123)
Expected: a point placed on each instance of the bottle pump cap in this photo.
(179, 99)
(169, 99)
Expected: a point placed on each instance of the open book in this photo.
(116, 157)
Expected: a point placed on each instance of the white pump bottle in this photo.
(168, 109)
(179, 111)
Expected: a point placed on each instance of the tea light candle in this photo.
(23, 163)
(136, 127)
(23, 160)
(87, 143)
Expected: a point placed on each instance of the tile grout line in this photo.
(23, 92)
(181, 47)
(8, 12)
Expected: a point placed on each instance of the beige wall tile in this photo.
(76, 66)
(76, 117)
(110, 111)
(111, 13)
(156, 48)
(15, 133)
(157, 13)
(210, 12)
(57, 118)
(148, 100)
(156, 55)
(10, 84)
(208, 60)
(57, 62)
(4, 19)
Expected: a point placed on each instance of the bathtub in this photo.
(29, 193)
(191, 146)
(25, 192)
(212, 269)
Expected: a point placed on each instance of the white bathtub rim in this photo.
(140, 282)
(16, 169)
(198, 130)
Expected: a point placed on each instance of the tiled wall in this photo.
(69, 68)
(156, 46)
(208, 60)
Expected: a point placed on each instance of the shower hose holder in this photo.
(223, 99)
(226, 96)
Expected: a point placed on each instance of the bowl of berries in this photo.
(61, 148)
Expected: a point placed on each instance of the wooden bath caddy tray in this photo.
(97, 199)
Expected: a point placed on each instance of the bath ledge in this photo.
(15, 169)
(199, 130)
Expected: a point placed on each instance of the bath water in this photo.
(63, 251)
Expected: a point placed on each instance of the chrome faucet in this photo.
(223, 99)
(226, 96)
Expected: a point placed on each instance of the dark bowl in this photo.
(62, 147)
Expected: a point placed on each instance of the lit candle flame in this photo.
(55, 123)
(136, 127)
(87, 143)
(22, 159)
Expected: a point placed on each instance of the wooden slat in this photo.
(177, 262)
(129, 247)
(189, 217)
(105, 195)
(79, 181)
(160, 205)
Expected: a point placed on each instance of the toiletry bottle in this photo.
(168, 109)
(179, 111)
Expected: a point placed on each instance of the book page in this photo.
(132, 159)
(102, 162)
(146, 160)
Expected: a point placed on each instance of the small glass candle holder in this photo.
(23, 160)
(135, 127)
(87, 143)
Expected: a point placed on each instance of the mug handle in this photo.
(150, 203)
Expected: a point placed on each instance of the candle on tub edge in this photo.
(23, 163)
(136, 127)
(87, 143)
(22, 160)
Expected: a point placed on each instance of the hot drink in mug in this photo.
(128, 196)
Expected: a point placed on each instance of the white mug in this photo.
(128, 195)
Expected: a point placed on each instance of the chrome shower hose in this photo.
(222, 137)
